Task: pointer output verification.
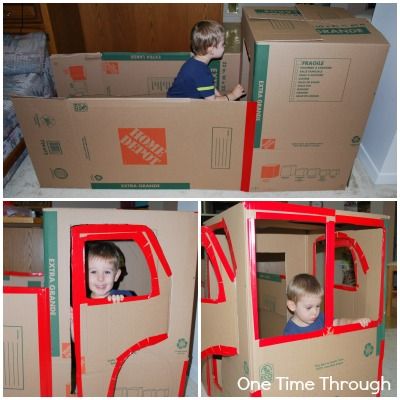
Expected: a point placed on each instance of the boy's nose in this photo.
(100, 277)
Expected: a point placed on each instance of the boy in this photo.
(104, 260)
(304, 297)
(194, 79)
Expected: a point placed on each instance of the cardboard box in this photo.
(122, 347)
(131, 74)
(27, 369)
(138, 143)
(24, 279)
(252, 251)
(310, 70)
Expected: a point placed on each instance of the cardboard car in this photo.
(117, 349)
(252, 251)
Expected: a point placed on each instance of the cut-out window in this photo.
(135, 274)
(282, 249)
(271, 290)
(357, 273)
(345, 274)
(214, 264)
(209, 283)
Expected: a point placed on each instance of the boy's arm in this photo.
(344, 321)
(236, 93)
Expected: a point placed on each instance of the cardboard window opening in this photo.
(295, 219)
(216, 257)
(141, 235)
(338, 240)
(84, 312)
(343, 241)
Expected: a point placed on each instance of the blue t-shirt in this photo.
(194, 80)
(125, 293)
(291, 328)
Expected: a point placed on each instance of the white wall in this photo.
(378, 147)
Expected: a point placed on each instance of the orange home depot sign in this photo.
(143, 146)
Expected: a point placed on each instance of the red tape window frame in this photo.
(343, 240)
(214, 251)
(330, 235)
(251, 234)
(372, 223)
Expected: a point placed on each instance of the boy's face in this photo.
(102, 274)
(218, 51)
(306, 310)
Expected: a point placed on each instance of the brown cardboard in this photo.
(131, 74)
(20, 314)
(135, 143)
(26, 342)
(78, 74)
(12, 279)
(314, 169)
(289, 234)
(311, 72)
(106, 330)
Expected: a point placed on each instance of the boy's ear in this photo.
(117, 275)
(291, 305)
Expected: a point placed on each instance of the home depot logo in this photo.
(297, 173)
(143, 146)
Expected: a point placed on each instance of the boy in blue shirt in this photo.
(105, 260)
(194, 79)
(304, 297)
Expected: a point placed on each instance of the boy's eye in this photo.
(107, 272)
(93, 271)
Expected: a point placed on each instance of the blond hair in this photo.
(301, 285)
(206, 34)
(107, 251)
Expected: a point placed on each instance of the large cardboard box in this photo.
(132, 143)
(252, 251)
(131, 74)
(313, 72)
(27, 369)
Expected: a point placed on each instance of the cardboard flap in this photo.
(274, 12)
(283, 30)
(313, 12)
(78, 74)
(109, 330)
(348, 30)
(300, 12)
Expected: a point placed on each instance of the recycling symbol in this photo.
(182, 343)
(368, 349)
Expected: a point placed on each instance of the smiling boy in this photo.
(105, 260)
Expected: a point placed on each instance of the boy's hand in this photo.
(116, 298)
(363, 321)
(237, 92)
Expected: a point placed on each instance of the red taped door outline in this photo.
(156, 301)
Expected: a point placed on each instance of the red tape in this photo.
(182, 384)
(248, 145)
(127, 353)
(219, 351)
